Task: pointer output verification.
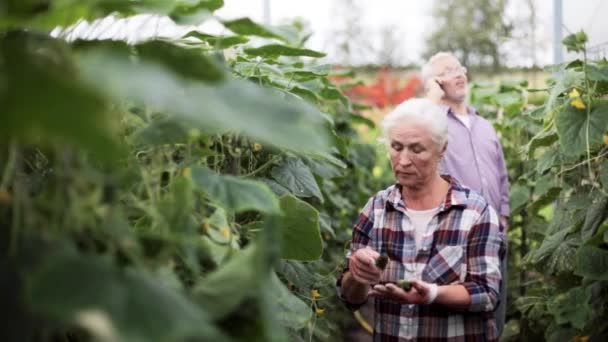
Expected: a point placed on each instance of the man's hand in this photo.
(420, 293)
(434, 91)
(504, 221)
(362, 265)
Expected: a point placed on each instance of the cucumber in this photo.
(405, 284)
(382, 261)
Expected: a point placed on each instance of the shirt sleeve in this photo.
(361, 238)
(504, 209)
(485, 244)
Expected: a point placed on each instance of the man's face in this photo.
(414, 155)
(453, 78)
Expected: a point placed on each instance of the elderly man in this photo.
(430, 230)
(474, 155)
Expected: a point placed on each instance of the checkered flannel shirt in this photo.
(461, 245)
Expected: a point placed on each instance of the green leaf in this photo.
(297, 177)
(575, 42)
(194, 12)
(519, 195)
(247, 27)
(186, 62)
(223, 290)
(571, 307)
(300, 231)
(234, 193)
(84, 290)
(549, 245)
(359, 119)
(596, 214)
(592, 263)
(568, 79)
(298, 273)
(572, 126)
(291, 311)
(548, 159)
(44, 100)
(604, 174)
(283, 121)
(275, 50)
(598, 72)
(218, 42)
(313, 71)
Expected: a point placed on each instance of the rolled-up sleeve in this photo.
(360, 239)
(485, 244)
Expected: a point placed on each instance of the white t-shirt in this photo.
(420, 220)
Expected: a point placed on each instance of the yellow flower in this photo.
(225, 231)
(314, 293)
(187, 172)
(376, 171)
(605, 139)
(574, 93)
(257, 147)
(578, 103)
(319, 312)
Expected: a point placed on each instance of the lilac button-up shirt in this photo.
(475, 158)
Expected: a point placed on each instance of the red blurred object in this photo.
(385, 91)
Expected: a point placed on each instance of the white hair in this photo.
(428, 69)
(420, 111)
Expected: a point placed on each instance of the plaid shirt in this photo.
(461, 246)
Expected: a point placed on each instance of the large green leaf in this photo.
(596, 214)
(519, 196)
(573, 124)
(297, 177)
(186, 62)
(598, 72)
(283, 121)
(235, 193)
(44, 100)
(223, 290)
(290, 310)
(247, 27)
(548, 246)
(301, 235)
(571, 307)
(218, 42)
(275, 50)
(119, 305)
(592, 263)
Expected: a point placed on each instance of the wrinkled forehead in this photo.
(410, 130)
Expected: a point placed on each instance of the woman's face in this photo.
(414, 155)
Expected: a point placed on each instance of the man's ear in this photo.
(445, 147)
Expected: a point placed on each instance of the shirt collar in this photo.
(472, 111)
(457, 196)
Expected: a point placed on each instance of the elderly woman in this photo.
(438, 234)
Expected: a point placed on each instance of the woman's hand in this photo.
(362, 265)
(420, 293)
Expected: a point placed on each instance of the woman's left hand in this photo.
(419, 293)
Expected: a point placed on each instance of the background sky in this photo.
(408, 23)
(413, 20)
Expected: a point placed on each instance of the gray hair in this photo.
(421, 111)
(428, 71)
